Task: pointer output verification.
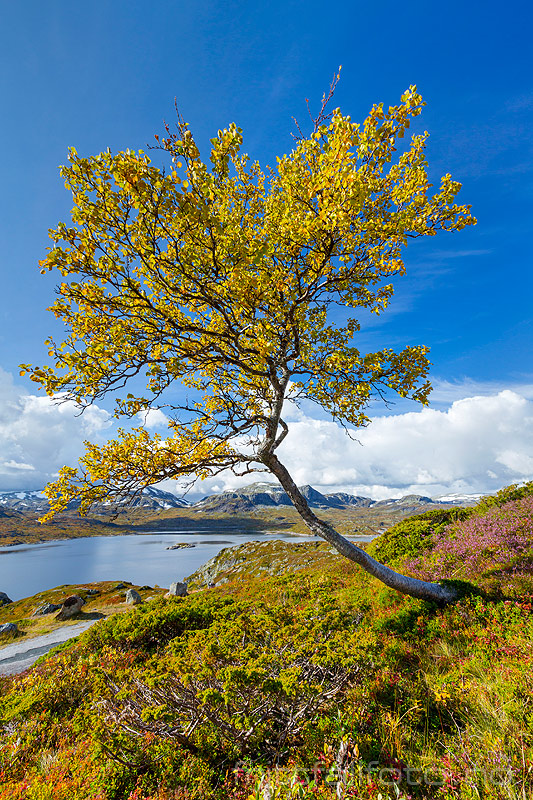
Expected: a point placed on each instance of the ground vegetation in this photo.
(314, 683)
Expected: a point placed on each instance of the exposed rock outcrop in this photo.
(177, 590)
(8, 629)
(254, 559)
(46, 608)
(180, 546)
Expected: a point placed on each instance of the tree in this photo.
(224, 278)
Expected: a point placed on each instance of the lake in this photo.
(139, 558)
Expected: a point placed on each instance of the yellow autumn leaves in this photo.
(222, 277)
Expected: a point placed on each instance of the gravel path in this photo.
(20, 655)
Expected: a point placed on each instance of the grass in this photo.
(108, 601)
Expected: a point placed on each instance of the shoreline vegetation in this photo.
(298, 676)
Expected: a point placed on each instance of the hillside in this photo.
(298, 676)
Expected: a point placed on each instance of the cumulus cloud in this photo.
(38, 436)
(478, 444)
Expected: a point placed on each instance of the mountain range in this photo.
(36, 502)
(246, 499)
(268, 494)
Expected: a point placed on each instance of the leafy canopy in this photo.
(221, 277)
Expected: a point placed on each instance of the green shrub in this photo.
(505, 495)
(150, 626)
(414, 534)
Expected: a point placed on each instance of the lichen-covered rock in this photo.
(4, 599)
(46, 608)
(8, 628)
(133, 597)
(71, 606)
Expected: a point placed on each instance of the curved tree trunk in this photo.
(402, 583)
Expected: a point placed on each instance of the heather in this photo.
(312, 683)
(494, 549)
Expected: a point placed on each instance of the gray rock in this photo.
(47, 608)
(119, 586)
(71, 606)
(4, 599)
(92, 592)
(8, 628)
(133, 597)
(178, 589)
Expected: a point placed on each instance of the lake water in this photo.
(141, 559)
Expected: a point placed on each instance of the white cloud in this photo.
(477, 444)
(38, 435)
(16, 465)
(153, 418)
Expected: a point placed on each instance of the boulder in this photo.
(47, 608)
(133, 597)
(8, 628)
(4, 599)
(177, 590)
(119, 586)
(71, 606)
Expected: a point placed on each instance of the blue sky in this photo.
(105, 74)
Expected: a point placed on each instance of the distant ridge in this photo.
(263, 494)
(257, 495)
(36, 502)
